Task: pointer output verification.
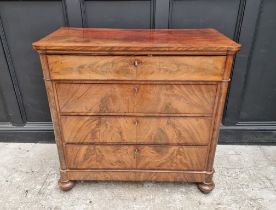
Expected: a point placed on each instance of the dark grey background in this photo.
(250, 114)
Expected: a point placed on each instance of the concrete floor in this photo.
(245, 179)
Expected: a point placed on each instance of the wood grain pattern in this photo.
(219, 108)
(89, 129)
(98, 98)
(186, 68)
(92, 67)
(115, 98)
(175, 98)
(171, 157)
(81, 40)
(53, 110)
(173, 130)
(137, 175)
(139, 130)
(100, 157)
(136, 157)
(136, 105)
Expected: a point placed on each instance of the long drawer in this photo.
(204, 68)
(129, 98)
(136, 157)
(140, 130)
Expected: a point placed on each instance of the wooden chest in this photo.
(136, 105)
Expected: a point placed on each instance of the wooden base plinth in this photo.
(203, 187)
(202, 178)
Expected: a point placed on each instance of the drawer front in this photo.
(173, 130)
(148, 99)
(172, 157)
(175, 99)
(136, 157)
(91, 67)
(180, 68)
(141, 130)
(136, 67)
(90, 129)
(100, 157)
(95, 98)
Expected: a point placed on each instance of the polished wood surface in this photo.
(68, 40)
(140, 130)
(136, 157)
(138, 175)
(187, 68)
(96, 98)
(90, 129)
(161, 157)
(100, 157)
(173, 130)
(175, 99)
(123, 98)
(136, 105)
(50, 88)
(92, 67)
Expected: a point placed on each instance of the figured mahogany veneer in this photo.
(136, 105)
(136, 157)
(136, 130)
(136, 67)
(125, 98)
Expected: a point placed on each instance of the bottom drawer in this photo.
(171, 157)
(136, 157)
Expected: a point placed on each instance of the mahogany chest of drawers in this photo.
(136, 105)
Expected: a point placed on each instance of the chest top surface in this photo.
(83, 40)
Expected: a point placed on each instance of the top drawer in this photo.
(186, 68)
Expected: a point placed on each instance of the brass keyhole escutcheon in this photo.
(136, 89)
(136, 152)
(136, 63)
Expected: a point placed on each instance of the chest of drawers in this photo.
(136, 105)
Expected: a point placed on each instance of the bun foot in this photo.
(66, 185)
(206, 187)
